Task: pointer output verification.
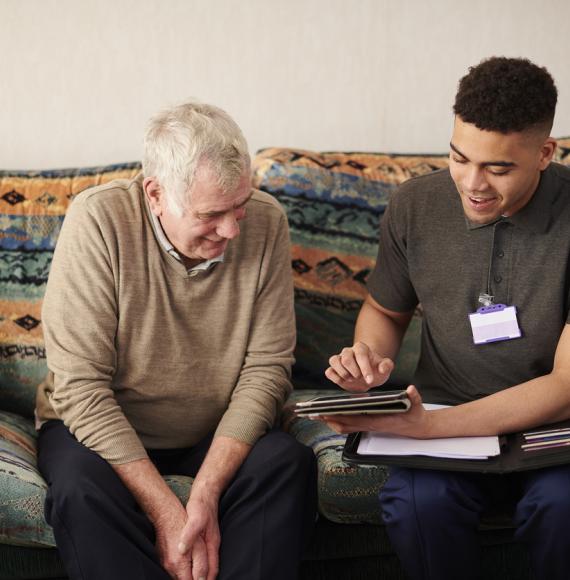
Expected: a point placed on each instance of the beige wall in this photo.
(80, 77)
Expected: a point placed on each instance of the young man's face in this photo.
(211, 221)
(496, 174)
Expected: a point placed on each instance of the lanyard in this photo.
(486, 298)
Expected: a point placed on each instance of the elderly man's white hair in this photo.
(178, 139)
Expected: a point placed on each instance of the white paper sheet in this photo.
(453, 447)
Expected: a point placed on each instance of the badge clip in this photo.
(494, 323)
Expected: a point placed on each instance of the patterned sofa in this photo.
(334, 202)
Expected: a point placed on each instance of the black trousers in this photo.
(266, 514)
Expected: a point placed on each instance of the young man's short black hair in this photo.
(507, 95)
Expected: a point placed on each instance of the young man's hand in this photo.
(416, 422)
(358, 368)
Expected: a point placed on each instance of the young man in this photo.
(169, 330)
(493, 229)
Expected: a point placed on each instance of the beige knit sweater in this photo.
(144, 355)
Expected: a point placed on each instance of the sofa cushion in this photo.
(562, 154)
(32, 208)
(347, 493)
(23, 490)
(334, 202)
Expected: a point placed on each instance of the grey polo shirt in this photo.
(430, 253)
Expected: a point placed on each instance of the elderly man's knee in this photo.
(284, 454)
(84, 484)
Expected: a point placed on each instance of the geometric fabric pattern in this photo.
(32, 209)
(334, 203)
(22, 489)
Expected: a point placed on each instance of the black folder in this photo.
(512, 456)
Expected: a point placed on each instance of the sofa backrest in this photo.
(32, 208)
(334, 202)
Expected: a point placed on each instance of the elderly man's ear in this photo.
(154, 195)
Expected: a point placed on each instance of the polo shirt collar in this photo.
(535, 215)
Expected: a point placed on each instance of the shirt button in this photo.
(500, 254)
(498, 279)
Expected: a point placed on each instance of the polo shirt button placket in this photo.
(498, 252)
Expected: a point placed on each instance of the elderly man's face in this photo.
(211, 221)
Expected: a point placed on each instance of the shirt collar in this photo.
(170, 249)
(535, 215)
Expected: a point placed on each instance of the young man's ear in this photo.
(547, 153)
(153, 193)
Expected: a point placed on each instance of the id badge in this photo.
(494, 323)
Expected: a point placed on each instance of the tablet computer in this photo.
(355, 404)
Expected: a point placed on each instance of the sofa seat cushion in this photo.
(23, 490)
(347, 493)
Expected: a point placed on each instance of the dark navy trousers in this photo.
(432, 519)
(266, 515)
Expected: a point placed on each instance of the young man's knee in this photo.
(421, 495)
(549, 495)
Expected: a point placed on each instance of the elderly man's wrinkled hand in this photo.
(167, 530)
(200, 538)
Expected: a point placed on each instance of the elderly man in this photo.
(494, 228)
(169, 331)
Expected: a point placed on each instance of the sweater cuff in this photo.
(122, 447)
(244, 427)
